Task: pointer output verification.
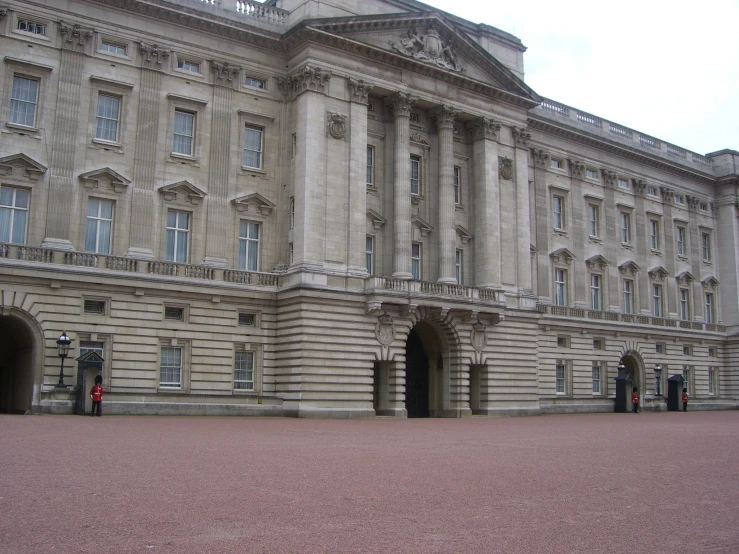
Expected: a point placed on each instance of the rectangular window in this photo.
(591, 174)
(256, 83)
(596, 299)
(684, 304)
(244, 371)
(457, 185)
(593, 219)
(107, 117)
(598, 344)
(253, 147)
(292, 212)
(710, 309)
(657, 300)
(687, 350)
(178, 232)
(596, 377)
(23, 101)
(414, 118)
(560, 376)
(712, 380)
(458, 266)
(686, 378)
(659, 348)
(370, 254)
(623, 183)
(702, 206)
(94, 307)
(558, 212)
(415, 175)
(628, 290)
(679, 200)
(249, 246)
(625, 228)
(556, 164)
(654, 240)
(416, 260)
(13, 214)
(192, 67)
(184, 132)
(290, 253)
(563, 341)
(680, 238)
(294, 148)
(652, 191)
(560, 287)
(706, 247)
(87, 346)
(99, 226)
(712, 351)
(31, 27)
(370, 166)
(112, 48)
(174, 313)
(247, 318)
(170, 367)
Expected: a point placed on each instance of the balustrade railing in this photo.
(404, 286)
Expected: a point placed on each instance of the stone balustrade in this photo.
(609, 128)
(404, 287)
(241, 9)
(580, 313)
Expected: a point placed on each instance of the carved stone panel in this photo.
(385, 329)
(505, 168)
(152, 55)
(479, 336)
(428, 47)
(336, 125)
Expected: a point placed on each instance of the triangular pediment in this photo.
(377, 220)
(182, 190)
(90, 357)
(710, 282)
(24, 165)
(629, 268)
(685, 278)
(562, 256)
(464, 234)
(658, 273)
(256, 201)
(424, 42)
(92, 179)
(422, 225)
(597, 262)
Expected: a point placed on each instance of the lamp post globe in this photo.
(62, 345)
(621, 368)
(658, 379)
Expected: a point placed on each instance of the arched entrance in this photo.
(423, 372)
(16, 365)
(632, 362)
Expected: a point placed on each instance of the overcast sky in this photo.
(667, 68)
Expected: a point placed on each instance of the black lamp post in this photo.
(62, 344)
(658, 378)
(621, 368)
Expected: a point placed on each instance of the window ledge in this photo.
(707, 262)
(595, 239)
(656, 252)
(683, 258)
(627, 246)
(184, 159)
(107, 145)
(175, 390)
(560, 232)
(416, 198)
(17, 128)
(253, 171)
(459, 208)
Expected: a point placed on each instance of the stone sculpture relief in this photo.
(336, 125)
(385, 329)
(428, 48)
(505, 168)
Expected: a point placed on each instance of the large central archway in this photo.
(16, 368)
(423, 372)
(633, 364)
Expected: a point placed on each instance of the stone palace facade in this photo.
(340, 210)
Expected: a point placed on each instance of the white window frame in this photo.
(416, 261)
(458, 267)
(597, 378)
(291, 215)
(244, 366)
(15, 211)
(247, 242)
(171, 358)
(254, 82)
(591, 174)
(706, 247)
(259, 153)
(106, 44)
(657, 300)
(457, 185)
(713, 381)
(560, 378)
(560, 286)
(556, 163)
(684, 303)
(107, 118)
(416, 179)
(370, 166)
(178, 233)
(709, 300)
(652, 191)
(194, 117)
(654, 235)
(624, 220)
(17, 99)
(596, 292)
(593, 220)
(558, 212)
(294, 147)
(687, 374)
(97, 221)
(623, 183)
(31, 27)
(369, 248)
(627, 289)
(188, 65)
(681, 233)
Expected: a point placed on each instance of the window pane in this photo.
(23, 101)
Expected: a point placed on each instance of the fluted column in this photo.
(523, 216)
(486, 172)
(401, 104)
(444, 118)
(543, 230)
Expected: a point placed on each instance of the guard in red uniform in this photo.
(96, 393)
(635, 400)
(685, 400)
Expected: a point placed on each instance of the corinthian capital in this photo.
(521, 136)
(401, 103)
(358, 90)
(224, 73)
(576, 167)
(74, 35)
(307, 77)
(153, 53)
(483, 128)
(541, 157)
(444, 116)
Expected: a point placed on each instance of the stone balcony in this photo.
(243, 11)
(630, 319)
(389, 290)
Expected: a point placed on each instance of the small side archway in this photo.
(21, 347)
(634, 365)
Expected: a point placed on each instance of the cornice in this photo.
(581, 137)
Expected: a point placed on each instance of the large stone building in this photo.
(348, 209)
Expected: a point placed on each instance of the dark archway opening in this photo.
(416, 377)
(16, 375)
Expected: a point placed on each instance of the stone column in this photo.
(357, 212)
(580, 279)
(669, 291)
(444, 119)
(401, 104)
(486, 172)
(543, 230)
(523, 215)
(698, 309)
(225, 77)
(145, 154)
(66, 121)
(726, 244)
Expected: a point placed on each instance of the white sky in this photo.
(667, 68)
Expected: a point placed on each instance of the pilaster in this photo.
(670, 292)
(543, 230)
(727, 244)
(444, 119)
(577, 232)
(698, 308)
(523, 215)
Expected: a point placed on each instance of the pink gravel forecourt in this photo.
(597, 483)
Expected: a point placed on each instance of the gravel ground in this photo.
(652, 482)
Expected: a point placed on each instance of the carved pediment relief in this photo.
(426, 45)
(597, 262)
(685, 278)
(658, 273)
(423, 226)
(377, 220)
(182, 190)
(562, 256)
(116, 181)
(22, 167)
(709, 283)
(420, 138)
(629, 268)
(464, 234)
(254, 201)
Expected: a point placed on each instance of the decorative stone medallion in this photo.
(505, 166)
(385, 329)
(336, 125)
(479, 336)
